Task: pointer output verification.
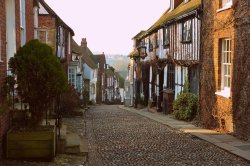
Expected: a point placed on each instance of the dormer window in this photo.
(166, 37)
(185, 1)
(187, 31)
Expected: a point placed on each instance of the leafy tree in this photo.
(40, 77)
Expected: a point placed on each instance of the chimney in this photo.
(84, 43)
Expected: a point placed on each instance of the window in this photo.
(22, 22)
(150, 45)
(226, 63)
(187, 31)
(166, 37)
(171, 76)
(185, 1)
(72, 76)
(61, 39)
(156, 42)
(35, 10)
(43, 36)
(226, 3)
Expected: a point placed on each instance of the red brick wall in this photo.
(29, 20)
(215, 110)
(241, 68)
(3, 45)
(46, 21)
(233, 23)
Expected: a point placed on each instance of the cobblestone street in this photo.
(118, 137)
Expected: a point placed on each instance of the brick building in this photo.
(53, 31)
(18, 19)
(101, 81)
(225, 65)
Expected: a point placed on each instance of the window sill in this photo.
(224, 8)
(223, 94)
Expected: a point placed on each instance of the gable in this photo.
(42, 10)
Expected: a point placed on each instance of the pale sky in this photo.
(108, 25)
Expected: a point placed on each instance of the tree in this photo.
(40, 77)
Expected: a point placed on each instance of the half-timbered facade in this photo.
(173, 46)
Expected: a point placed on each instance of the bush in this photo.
(70, 101)
(40, 77)
(185, 106)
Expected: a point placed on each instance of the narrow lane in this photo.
(119, 137)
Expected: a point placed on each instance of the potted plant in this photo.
(40, 79)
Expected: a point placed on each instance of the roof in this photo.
(100, 58)
(134, 52)
(47, 7)
(75, 47)
(139, 35)
(183, 8)
(85, 54)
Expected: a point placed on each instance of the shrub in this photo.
(70, 101)
(40, 77)
(185, 106)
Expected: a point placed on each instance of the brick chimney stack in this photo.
(84, 43)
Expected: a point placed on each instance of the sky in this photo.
(108, 25)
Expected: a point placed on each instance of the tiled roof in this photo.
(85, 54)
(167, 16)
(139, 35)
(134, 52)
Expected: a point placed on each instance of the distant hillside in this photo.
(119, 62)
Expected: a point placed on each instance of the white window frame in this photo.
(226, 53)
(226, 60)
(72, 76)
(187, 31)
(35, 10)
(22, 22)
(226, 3)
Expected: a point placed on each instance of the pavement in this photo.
(221, 140)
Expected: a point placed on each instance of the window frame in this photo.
(150, 45)
(226, 62)
(185, 31)
(226, 4)
(166, 43)
(46, 35)
(72, 76)
(22, 6)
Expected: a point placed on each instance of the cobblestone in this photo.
(117, 137)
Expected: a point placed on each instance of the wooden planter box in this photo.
(32, 144)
